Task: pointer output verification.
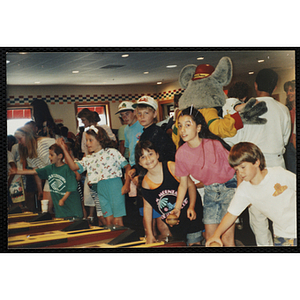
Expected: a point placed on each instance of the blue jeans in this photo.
(217, 198)
(290, 158)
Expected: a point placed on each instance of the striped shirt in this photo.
(42, 160)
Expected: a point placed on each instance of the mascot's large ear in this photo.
(223, 71)
(186, 75)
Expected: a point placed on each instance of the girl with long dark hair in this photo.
(205, 156)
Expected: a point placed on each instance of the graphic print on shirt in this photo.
(138, 136)
(57, 183)
(166, 202)
(279, 189)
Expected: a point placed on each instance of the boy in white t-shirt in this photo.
(271, 190)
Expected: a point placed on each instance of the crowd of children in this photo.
(158, 179)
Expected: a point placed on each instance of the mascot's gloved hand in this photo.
(251, 112)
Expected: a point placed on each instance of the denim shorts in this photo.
(217, 198)
(194, 237)
(281, 242)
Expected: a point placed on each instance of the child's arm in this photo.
(39, 186)
(199, 185)
(68, 159)
(294, 140)
(77, 175)
(62, 201)
(182, 188)
(11, 175)
(122, 147)
(239, 107)
(148, 223)
(15, 171)
(126, 186)
(36, 178)
(226, 222)
(191, 214)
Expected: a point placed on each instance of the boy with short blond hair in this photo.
(272, 191)
(146, 110)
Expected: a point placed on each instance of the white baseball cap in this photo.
(147, 101)
(125, 105)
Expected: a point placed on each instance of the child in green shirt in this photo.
(62, 182)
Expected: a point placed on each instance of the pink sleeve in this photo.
(180, 168)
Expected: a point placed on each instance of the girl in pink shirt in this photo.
(205, 156)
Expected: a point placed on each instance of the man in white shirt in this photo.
(271, 138)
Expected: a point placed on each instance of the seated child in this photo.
(159, 190)
(271, 190)
(62, 182)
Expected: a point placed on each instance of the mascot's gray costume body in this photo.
(204, 90)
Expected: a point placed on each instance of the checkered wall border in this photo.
(26, 100)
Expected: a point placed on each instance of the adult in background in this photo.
(271, 138)
(89, 118)
(290, 154)
(43, 119)
(35, 151)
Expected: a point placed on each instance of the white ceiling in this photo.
(110, 68)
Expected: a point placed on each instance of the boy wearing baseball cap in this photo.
(134, 129)
(146, 109)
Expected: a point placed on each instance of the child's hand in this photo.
(135, 180)
(176, 212)
(40, 195)
(191, 214)
(13, 171)
(61, 202)
(60, 142)
(150, 239)
(125, 189)
(213, 239)
(131, 173)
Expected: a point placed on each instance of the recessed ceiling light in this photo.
(37, 82)
(159, 82)
(260, 60)
(251, 73)
(125, 55)
(200, 58)
(75, 72)
(146, 73)
(171, 66)
(8, 61)
(22, 53)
